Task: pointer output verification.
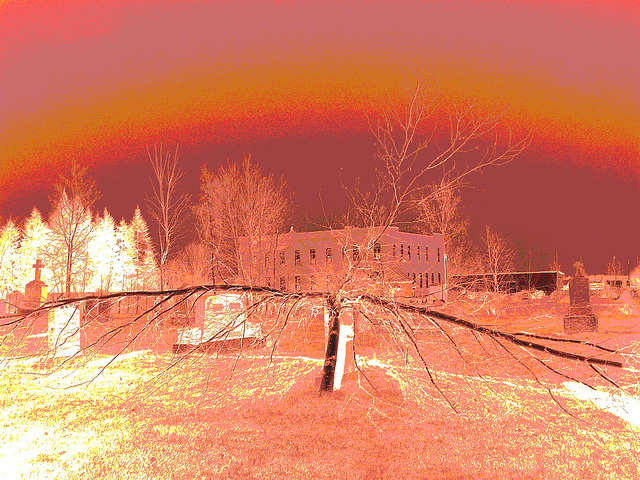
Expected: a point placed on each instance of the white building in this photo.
(412, 264)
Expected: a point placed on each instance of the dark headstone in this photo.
(580, 317)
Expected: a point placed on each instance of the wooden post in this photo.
(331, 352)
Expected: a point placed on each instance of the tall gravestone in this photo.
(580, 317)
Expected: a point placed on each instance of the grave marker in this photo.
(64, 331)
(219, 317)
(580, 317)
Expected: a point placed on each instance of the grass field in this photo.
(223, 418)
(252, 416)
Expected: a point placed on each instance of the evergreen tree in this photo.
(34, 245)
(103, 250)
(9, 245)
(145, 268)
(124, 262)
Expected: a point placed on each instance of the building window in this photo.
(409, 252)
(432, 280)
(439, 278)
(312, 282)
(401, 250)
(394, 251)
(420, 275)
(418, 252)
(329, 255)
(283, 284)
(438, 255)
(296, 257)
(281, 258)
(426, 254)
(426, 280)
(312, 256)
(355, 253)
(414, 278)
(296, 283)
(376, 251)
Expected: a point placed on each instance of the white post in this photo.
(446, 276)
(346, 335)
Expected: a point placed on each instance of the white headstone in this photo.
(225, 318)
(64, 331)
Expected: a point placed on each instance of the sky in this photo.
(295, 85)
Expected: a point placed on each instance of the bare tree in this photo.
(614, 267)
(412, 149)
(498, 256)
(71, 221)
(239, 201)
(168, 204)
(407, 160)
(440, 213)
(192, 266)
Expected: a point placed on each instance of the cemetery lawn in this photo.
(248, 417)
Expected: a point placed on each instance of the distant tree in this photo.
(498, 256)
(169, 205)
(124, 264)
(555, 264)
(440, 213)
(103, 249)
(9, 248)
(192, 266)
(614, 268)
(144, 264)
(72, 226)
(239, 201)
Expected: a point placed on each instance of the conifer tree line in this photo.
(107, 257)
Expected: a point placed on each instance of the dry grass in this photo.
(248, 418)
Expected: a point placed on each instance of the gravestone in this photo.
(35, 292)
(220, 320)
(580, 317)
(14, 301)
(64, 331)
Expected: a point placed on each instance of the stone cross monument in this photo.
(580, 317)
(35, 292)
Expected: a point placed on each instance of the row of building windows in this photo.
(355, 254)
(426, 252)
(419, 280)
(297, 283)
